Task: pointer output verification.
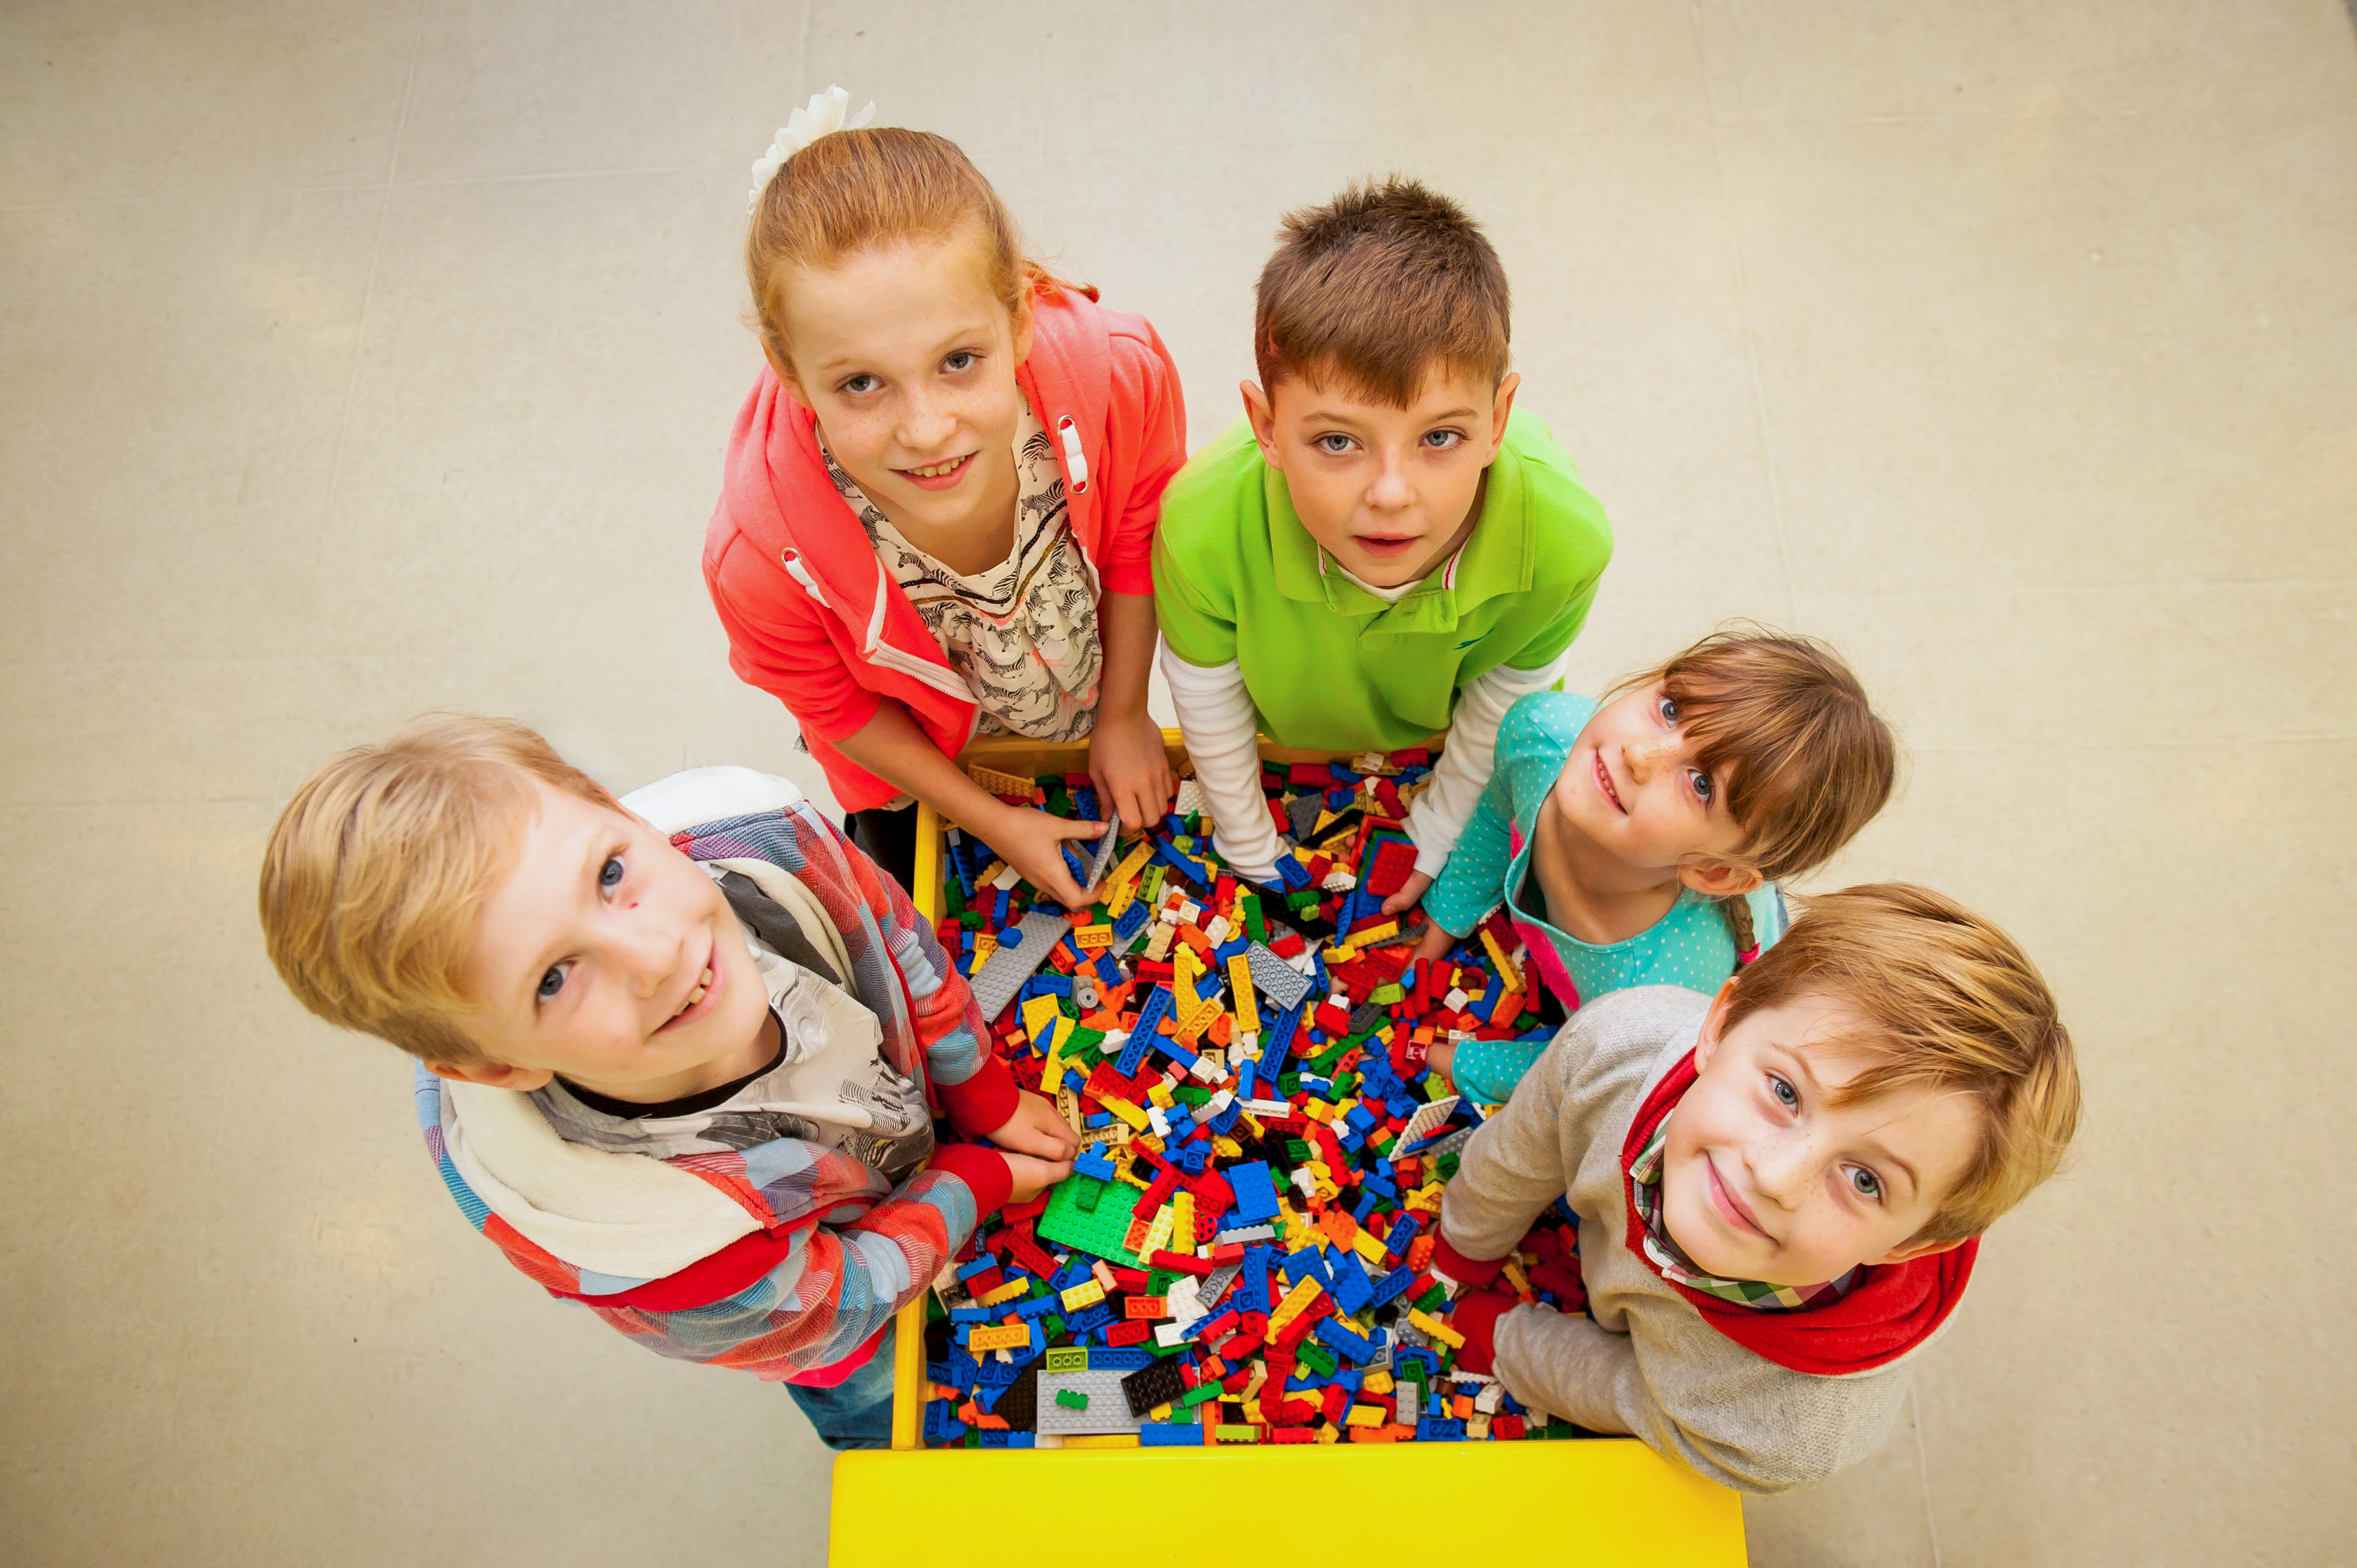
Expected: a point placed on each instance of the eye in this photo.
(1866, 1184)
(1669, 710)
(551, 982)
(1704, 790)
(1332, 443)
(961, 361)
(610, 876)
(1442, 440)
(1786, 1095)
(859, 385)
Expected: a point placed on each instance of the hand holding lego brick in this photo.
(1475, 1318)
(1033, 1176)
(1033, 843)
(1038, 1129)
(1130, 768)
(1435, 944)
(1410, 892)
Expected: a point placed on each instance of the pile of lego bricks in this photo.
(1241, 1255)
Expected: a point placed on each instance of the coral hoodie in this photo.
(814, 618)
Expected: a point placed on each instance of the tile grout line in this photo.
(1923, 1469)
(368, 292)
(1743, 319)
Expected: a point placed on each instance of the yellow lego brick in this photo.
(1296, 1301)
(993, 1337)
(994, 783)
(1192, 1023)
(1376, 1383)
(1245, 1007)
(1329, 1432)
(1085, 1294)
(1183, 1219)
(1227, 1148)
(1126, 1110)
(1159, 1095)
(1134, 862)
(1375, 934)
(1039, 1015)
(1011, 1291)
(1437, 1329)
(984, 944)
(1369, 1246)
(1506, 969)
(1364, 1416)
(1157, 1233)
(1096, 939)
(1118, 898)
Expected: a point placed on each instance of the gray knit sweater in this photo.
(1649, 1365)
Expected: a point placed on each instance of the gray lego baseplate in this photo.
(1003, 972)
(1108, 1408)
(1273, 978)
(1424, 1121)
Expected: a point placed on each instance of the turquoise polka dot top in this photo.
(1689, 946)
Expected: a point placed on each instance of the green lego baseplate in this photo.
(1092, 1217)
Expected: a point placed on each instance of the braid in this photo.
(1737, 913)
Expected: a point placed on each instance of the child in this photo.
(1779, 1191)
(1379, 550)
(941, 495)
(675, 1053)
(1639, 843)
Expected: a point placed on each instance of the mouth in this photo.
(1382, 546)
(702, 996)
(1604, 783)
(937, 475)
(1731, 1209)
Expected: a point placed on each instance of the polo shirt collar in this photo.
(1496, 558)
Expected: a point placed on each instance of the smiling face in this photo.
(1763, 1179)
(1634, 788)
(1389, 492)
(908, 360)
(607, 957)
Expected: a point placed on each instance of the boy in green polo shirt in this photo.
(1381, 549)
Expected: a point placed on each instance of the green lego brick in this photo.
(1315, 1356)
(1098, 1230)
(1433, 1299)
(1071, 1399)
(1237, 1433)
(1068, 1358)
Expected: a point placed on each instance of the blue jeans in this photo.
(857, 1412)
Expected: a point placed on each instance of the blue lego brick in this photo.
(1133, 920)
(1392, 1287)
(1089, 1162)
(1164, 1434)
(1255, 1191)
(1343, 1342)
(1402, 1233)
(1432, 1429)
(1352, 1290)
(1090, 1318)
(1118, 1358)
(1364, 1207)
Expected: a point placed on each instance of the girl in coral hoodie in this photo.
(938, 514)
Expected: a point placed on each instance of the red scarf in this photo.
(1891, 1310)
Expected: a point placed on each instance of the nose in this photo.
(1391, 492)
(648, 954)
(927, 420)
(1645, 756)
(1781, 1169)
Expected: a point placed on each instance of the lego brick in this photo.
(1276, 979)
(1013, 963)
(1103, 1408)
(1158, 1383)
(1091, 1216)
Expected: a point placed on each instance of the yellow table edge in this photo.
(1597, 1500)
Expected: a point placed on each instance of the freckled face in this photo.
(1634, 786)
(1763, 1180)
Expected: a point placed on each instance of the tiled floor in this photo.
(357, 359)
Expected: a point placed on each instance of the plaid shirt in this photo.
(1645, 1184)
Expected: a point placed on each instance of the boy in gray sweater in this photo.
(1780, 1190)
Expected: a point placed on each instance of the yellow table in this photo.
(1573, 1504)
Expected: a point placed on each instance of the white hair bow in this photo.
(826, 113)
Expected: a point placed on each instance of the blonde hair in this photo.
(856, 190)
(1950, 1004)
(1376, 288)
(378, 866)
(1784, 730)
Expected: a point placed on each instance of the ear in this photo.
(493, 1075)
(1026, 322)
(1718, 878)
(1706, 1043)
(1503, 406)
(1907, 1250)
(1261, 408)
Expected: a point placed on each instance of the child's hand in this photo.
(1037, 1128)
(1033, 842)
(1434, 942)
(1438, 1057)
(1130, 769)
(1032, 1177)
(1410, 892)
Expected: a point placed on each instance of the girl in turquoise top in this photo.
(1641, 843)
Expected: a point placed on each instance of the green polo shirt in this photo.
(1332, 667)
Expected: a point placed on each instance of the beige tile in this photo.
(177, 373)
(1838, 59)
(1873, 1516)
(267, 1335)
(2139, 1374)
(510, 88)
(115, 101)
(2065, 350)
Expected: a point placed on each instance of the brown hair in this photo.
(856, 190)
(1948, 1004)
(378, 865)
(1783, 728)
(1377, 287)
